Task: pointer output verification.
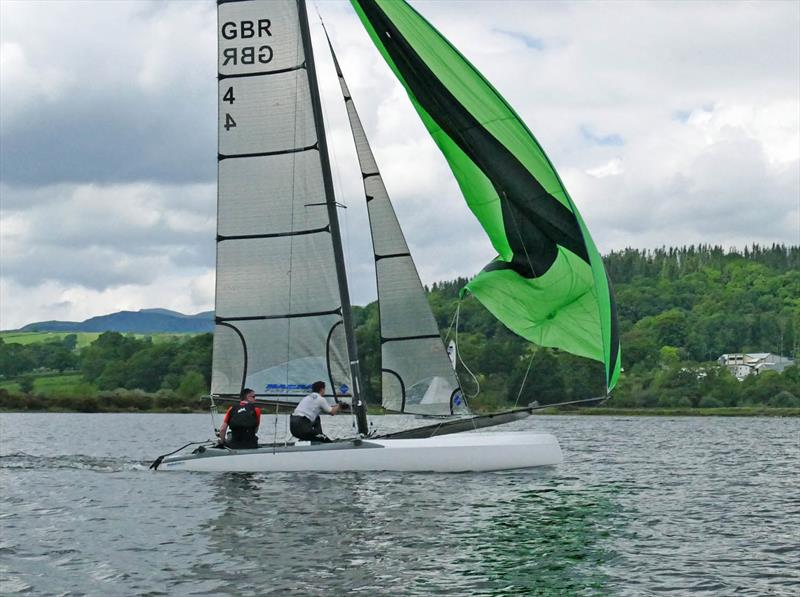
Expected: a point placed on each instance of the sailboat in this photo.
(283, 314)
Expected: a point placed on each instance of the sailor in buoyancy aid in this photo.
(243, 420)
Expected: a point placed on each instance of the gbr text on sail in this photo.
(256, 30)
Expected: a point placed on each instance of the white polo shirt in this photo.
(310, 407)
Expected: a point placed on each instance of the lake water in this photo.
(640, 506)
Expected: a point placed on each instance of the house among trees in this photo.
(753, 363)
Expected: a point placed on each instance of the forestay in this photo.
(278, 304)
(417, 375)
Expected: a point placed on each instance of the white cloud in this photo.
(53, 300)
(123, 93)
(26, 84)
(613, 167)
(96, 238)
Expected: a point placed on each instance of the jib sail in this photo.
(416, 373)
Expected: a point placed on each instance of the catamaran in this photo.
(283, 314)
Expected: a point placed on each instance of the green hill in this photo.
(144, 321)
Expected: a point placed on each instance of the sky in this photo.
(670, 123)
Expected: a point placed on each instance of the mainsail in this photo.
(547, 283)
(416, 373)
(282, 311)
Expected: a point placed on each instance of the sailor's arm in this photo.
(327, 408)
(223, 429)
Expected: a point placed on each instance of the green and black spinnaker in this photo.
(548, 283)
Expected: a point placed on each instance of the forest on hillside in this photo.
(679, 310)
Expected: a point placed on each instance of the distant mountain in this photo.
(144, 321)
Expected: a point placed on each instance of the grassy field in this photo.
(55, 384)
(84, 338)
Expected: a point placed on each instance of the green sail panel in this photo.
(547, 283)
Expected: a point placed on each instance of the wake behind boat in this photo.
(283, 314)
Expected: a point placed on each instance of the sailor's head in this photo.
(248, 394)
(318, 387)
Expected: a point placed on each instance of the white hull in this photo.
(447, 453)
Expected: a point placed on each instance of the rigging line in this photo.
(275, 427)
(316, 7)
(214, 412)
(337, 174)
(337, 182)
(524, 379)
(157, 462)
(530, 264)
(455, 348)
(458, 354)
(452, 321)
(299, 46)
(287, 434)
(475, 379)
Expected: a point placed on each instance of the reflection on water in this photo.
(543, 541)
(504, 533)
(639, 507)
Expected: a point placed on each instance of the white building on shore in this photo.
(753, 363)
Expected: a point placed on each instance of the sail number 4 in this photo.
(228, 97)
(247, 30)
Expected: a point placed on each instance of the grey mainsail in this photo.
(282, 310)
(416, 373)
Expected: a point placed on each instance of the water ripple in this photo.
(21, 460)
(641, 506)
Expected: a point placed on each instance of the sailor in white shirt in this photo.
(304, 423)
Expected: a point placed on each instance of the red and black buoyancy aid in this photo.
(243, 422)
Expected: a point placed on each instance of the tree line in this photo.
(114, 360)
(679, 310)
(54, 355)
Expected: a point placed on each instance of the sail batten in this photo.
(221, 238)
(336, 311)
(262, 73)
(404, 338)
(261, 154)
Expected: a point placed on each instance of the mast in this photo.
(359, 404)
